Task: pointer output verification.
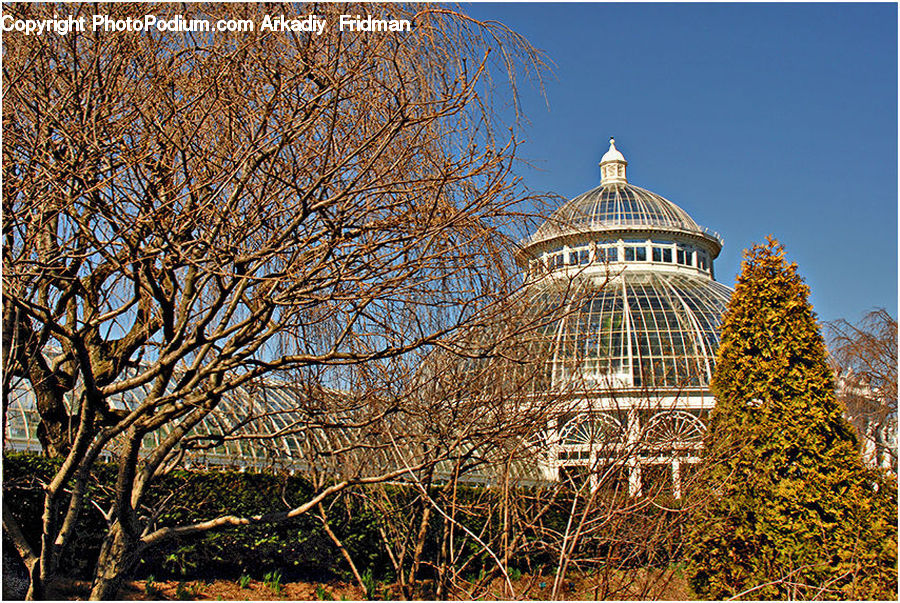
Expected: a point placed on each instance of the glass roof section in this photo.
(646, 330)
(616, 205)
(263, 425)
(655, 324)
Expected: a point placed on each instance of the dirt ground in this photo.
(674, 588)
(216, 590)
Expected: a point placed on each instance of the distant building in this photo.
(635, 355)
(631, 360)
(874, 419)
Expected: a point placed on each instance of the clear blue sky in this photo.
(755, 118)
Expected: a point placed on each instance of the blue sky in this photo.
(755, 118)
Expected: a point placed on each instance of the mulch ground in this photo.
(640, 586)
(216, 590)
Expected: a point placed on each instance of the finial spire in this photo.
(612, 165)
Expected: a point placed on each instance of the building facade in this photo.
(634, 351)
(630, 357)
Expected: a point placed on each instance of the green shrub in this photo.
(298, 547)
(793, 513)
(150, 588)
(370, 583)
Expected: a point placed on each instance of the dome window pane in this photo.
(15, 426)
(662, 254)
(584, 256)
(703, 260)
(607, 254)
(635, 254)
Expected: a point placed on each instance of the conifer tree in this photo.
(789, 510)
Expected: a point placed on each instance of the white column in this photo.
(634, 466)
(676, 478)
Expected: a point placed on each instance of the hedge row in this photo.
(300, 548)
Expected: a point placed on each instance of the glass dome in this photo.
(650, 307)
(645, 330)
(615, 205)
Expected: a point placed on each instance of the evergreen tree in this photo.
(789, 510)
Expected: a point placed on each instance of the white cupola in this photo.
(612, 165)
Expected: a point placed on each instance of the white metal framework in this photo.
(632, 358)
(636, 354)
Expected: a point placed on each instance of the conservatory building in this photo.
(634, 351)
(628, 361)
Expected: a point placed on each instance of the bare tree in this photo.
(586, 521)
(191, 213)
(865, 358)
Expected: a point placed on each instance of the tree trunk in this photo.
(343, 550)
(445, 563)
(117, 555)
(420, 543)
(21, 566)
(35, 583)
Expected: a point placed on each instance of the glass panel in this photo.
(584, 256)
(15, 425)
(613, 479)
(656, 480)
